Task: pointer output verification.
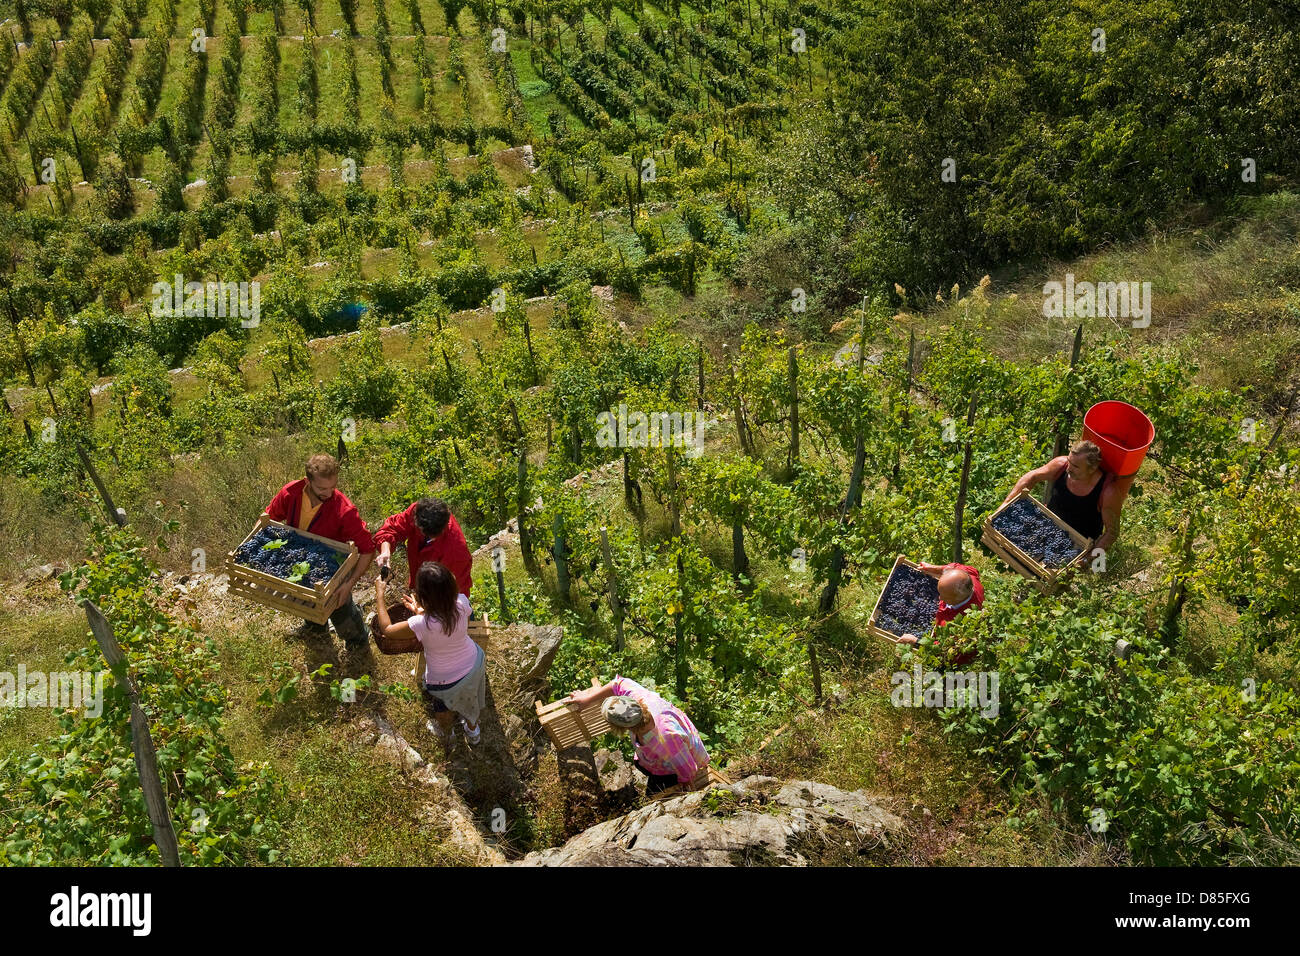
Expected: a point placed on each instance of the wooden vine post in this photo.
(615, 605)
(499, 570)
(521, 515)
(528, 340)
(851, 498)
(115, 514)
(907, 402)
(146, 760)
(674, 505)
(1063, 436)
(560, 553)
(521, 495)
(738, 411)
(794, 411)
(965, 478)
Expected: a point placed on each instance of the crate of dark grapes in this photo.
(293, 571)
(907, 604)
(1033, 541)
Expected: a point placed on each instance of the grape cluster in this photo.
(909, 603)
(321, 560)
(1033, 532)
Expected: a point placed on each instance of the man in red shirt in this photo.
(430, 533)
(959, 590)
(315, 504)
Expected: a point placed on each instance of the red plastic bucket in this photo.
(1122, 432)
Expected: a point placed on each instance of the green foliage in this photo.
(1183, 769)
(76, 800)
(113, 189)
(1058, 144)
(366, 384)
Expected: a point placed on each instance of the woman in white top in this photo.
(454, 678)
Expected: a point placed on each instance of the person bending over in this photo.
(669, 750)
(959, 591)
(1084, 496)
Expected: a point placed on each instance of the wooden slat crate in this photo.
(314, 603)
(569, 727)
(706, 777)
(480, 632)
(874, 628)
(1047, 578)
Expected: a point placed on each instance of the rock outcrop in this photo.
(444, 811)
(756, 821)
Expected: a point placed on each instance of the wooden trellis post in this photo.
(115, 514)
(907, 401)
(560, 553)
(794, 410)
(965, 477)
(146, 762)
(615, 605)
(674, 505)
(1063, 436)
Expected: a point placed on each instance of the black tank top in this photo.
(1080, 512)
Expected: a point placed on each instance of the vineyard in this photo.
(453, 242)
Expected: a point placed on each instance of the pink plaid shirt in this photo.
(674, 745)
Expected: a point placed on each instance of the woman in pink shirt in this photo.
(668, 748)
(454, 678)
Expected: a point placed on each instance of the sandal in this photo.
(472, 737)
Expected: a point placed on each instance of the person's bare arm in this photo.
(1111, 506)
(591, 695)
(934, 570)
(401, 628)
(1048, 472)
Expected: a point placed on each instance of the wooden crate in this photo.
(1020, 562)
(568, 726)
(480, 632)
(315, 603)
(874, 628)
(706, 777)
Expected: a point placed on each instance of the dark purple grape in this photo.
(909, 602)
(1026, 526)
(321, 560)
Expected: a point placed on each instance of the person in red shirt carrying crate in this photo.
(315, 504)
(430, 532)
(960, 589)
